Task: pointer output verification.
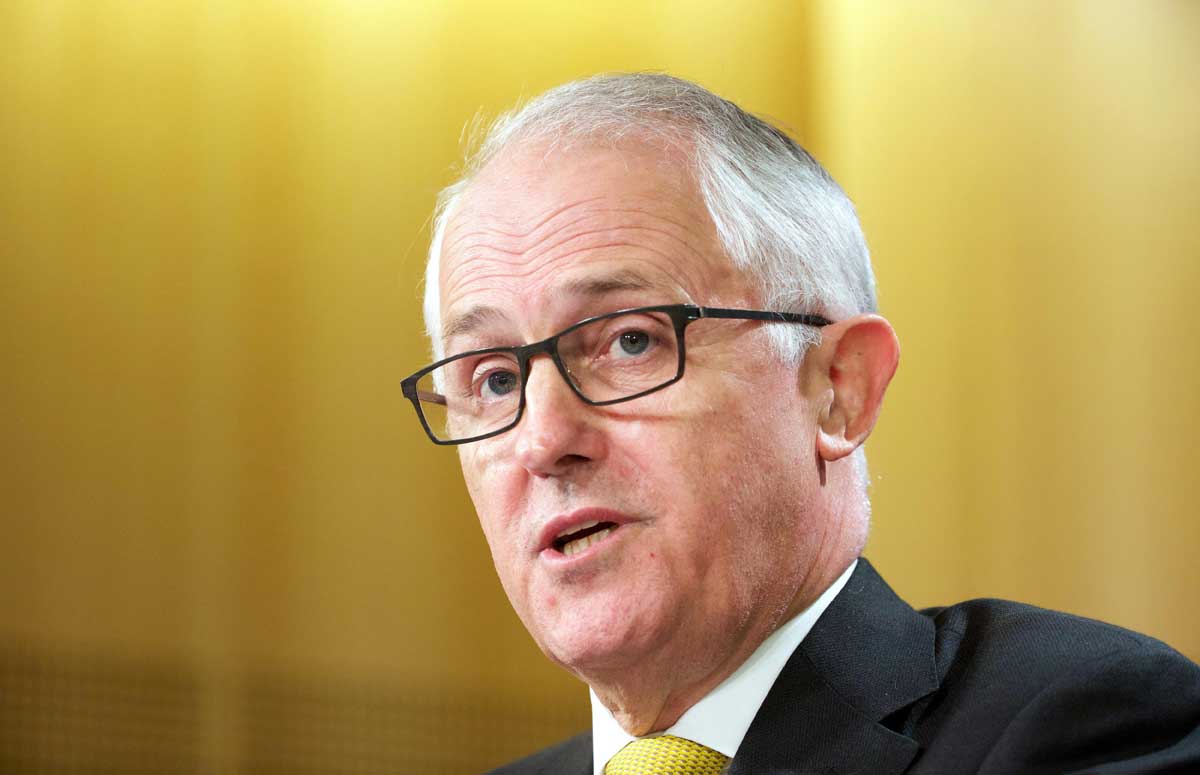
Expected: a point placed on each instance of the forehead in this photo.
(538, 228)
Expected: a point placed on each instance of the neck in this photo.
(652, 695)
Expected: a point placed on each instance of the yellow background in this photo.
(213, 218)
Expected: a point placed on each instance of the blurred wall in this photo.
(229, 548)
(1028, 175)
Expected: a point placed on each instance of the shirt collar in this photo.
(721, 718)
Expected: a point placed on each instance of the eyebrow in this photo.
(471, 320)
(479, 316)
(625, 280)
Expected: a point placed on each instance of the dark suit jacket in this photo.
(985, 686)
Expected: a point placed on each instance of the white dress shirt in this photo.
(721, 718)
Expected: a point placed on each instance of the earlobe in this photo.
(857, 358)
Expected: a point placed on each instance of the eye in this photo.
(633, 342)
(497, 383)
(632, 338)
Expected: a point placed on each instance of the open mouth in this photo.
(580, 537)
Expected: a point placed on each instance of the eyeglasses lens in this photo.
(606, 360)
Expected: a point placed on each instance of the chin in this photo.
(589, 640)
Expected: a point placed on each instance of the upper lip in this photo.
(574, 520)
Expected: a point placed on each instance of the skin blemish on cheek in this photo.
(835, 373)
(651, 555)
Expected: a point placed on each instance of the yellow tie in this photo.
(665, 755)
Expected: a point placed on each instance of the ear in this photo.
(850, 373)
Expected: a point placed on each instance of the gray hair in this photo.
(779, 215)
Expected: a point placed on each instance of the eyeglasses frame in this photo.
(682, 315)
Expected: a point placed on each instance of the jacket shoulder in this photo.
(1042, 691)
(1036, 639)
(570, 757)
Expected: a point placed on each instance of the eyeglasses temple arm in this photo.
(410, 390)
(753, 314)
(431, 398)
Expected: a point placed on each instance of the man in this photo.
(653, 321)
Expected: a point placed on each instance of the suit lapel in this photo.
(574, 757)
(868, 656)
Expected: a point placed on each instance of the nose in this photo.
(558, 433)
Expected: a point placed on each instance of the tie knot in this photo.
(665, 755)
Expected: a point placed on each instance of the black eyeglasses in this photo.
(606, 359)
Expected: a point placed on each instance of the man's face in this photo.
(708, 485)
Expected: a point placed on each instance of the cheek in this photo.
(655, 459)
(737, 464)
(495, 490)
(683, 453)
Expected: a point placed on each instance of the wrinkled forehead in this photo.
(540, 217)
(533, 181)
